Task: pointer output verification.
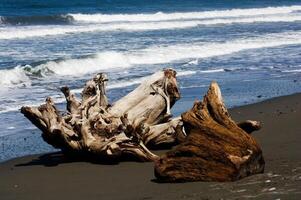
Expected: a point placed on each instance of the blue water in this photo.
(252, 48)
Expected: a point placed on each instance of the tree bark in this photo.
(216, 148)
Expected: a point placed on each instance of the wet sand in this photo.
(52, 176)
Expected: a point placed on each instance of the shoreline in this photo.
(50, 175)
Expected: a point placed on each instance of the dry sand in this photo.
(51, 176)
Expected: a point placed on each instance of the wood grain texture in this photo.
(216, 148)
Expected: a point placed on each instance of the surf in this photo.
(90, 23)
(161, 16)
(40, 31)
(154, 55)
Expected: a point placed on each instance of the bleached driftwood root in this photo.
(216, 148)
(93, 126)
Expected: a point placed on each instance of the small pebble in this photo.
(268, 181)
(272, 189)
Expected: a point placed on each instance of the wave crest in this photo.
(160, 16)
(14, 77)
(145, 22)
(106, 60)
(39, 31)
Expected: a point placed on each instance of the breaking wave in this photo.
(106, 60)
(143, 22)
(160, 16)
(40, 31)
(16, 76)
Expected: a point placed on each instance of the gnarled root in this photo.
(216, 148)
(94, 127)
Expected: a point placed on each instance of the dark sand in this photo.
(50, 176)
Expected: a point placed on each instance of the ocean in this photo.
(251, 48)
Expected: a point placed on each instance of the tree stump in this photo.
(216, 148)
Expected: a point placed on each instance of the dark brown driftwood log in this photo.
(94, 127)
(216, 148)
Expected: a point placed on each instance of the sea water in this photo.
(251, 48)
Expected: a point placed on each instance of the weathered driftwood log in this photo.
(93, 126)
(216, 148)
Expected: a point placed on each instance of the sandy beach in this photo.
(103, 78)
(53, 176)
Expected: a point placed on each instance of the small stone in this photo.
(272, 189)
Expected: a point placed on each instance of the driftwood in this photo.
(212, 147)
(216, 148)
(93, 126)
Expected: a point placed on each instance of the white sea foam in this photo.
(212, 71)
(101, 61)
(153, 55)
(159, 16)
(292, 71)
(186, 73)
(42, 31)
(10, 127)
(252, 20)
(167, 54)
(13, 77)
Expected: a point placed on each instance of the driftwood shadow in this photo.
(57, 158)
